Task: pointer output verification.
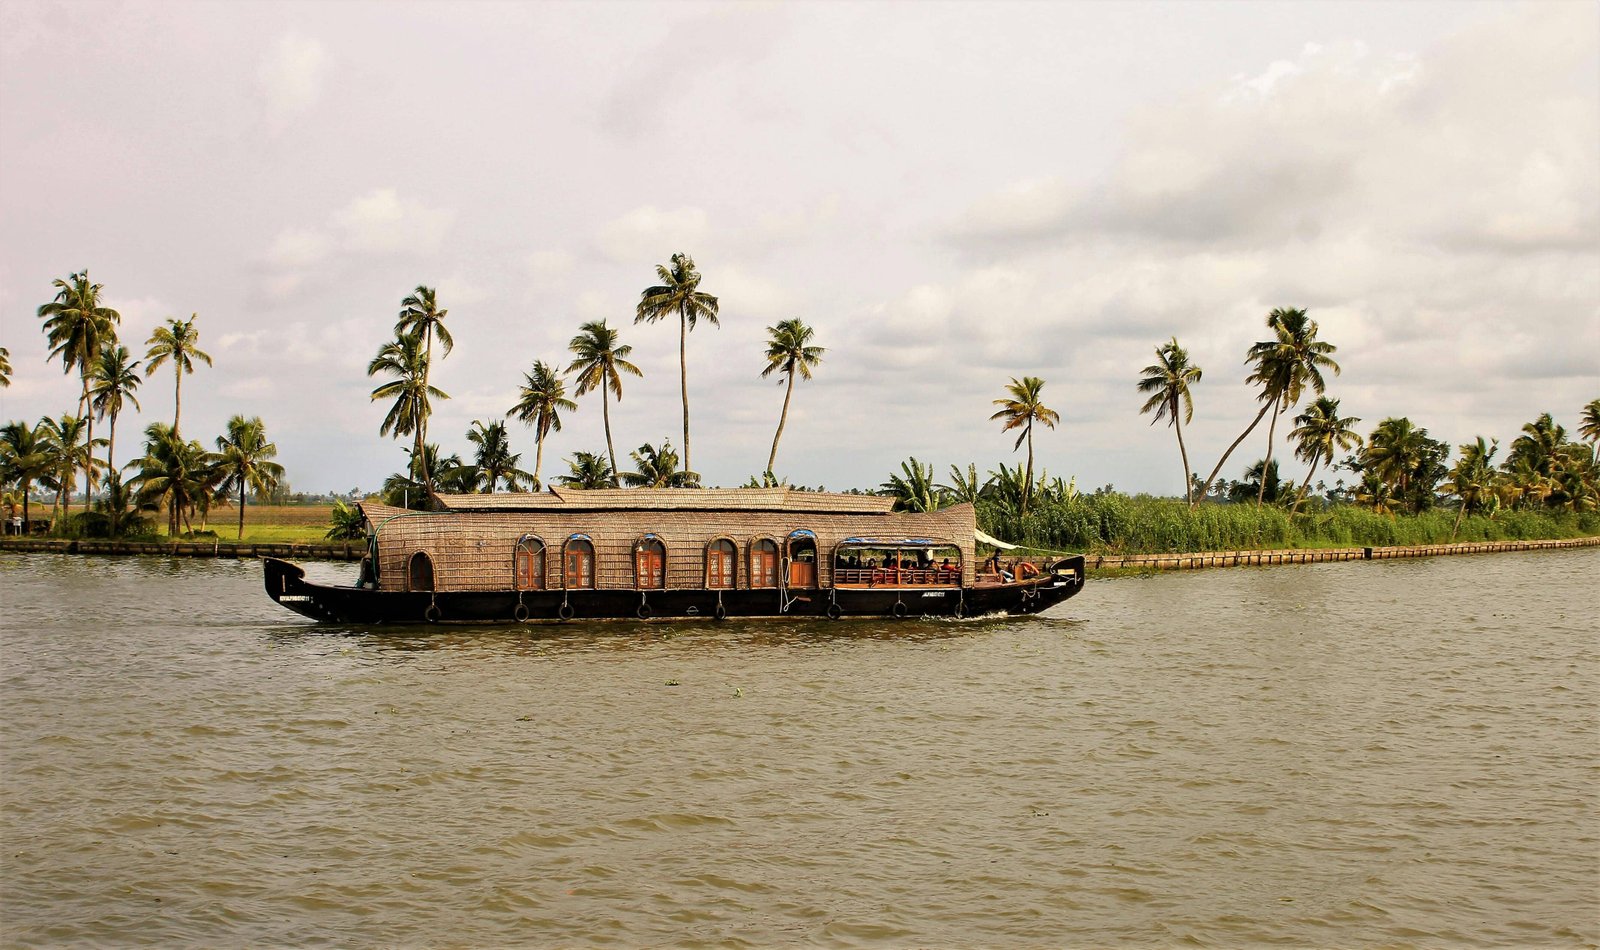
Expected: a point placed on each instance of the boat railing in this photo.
(896, 577)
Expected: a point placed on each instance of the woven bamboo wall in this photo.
(474, 550)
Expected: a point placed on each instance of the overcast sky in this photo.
(950, 194)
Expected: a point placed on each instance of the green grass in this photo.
(1120, 524)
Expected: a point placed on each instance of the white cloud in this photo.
(652, 234)
(290, 78)
(382, 221)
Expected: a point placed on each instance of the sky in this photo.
(950, 194)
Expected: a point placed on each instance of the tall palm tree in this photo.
(494, 459)
(1588, 426)
(245, 461)
(599, 363)
(403, 359)
(542, 400)
(789, 350)
(1472, 478)
(588, 470)
(1167, 380)
(1291, 361)
(78, 324)
(657, 468)
(1282, 367)
(115, 379)
(678, 293)
(67, 443)
(1321, 434)
(420, 316)
(178, 341)
(174, 474)
(5, 368)
(1021, 409)
(24, 460)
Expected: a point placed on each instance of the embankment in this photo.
(1195, 561)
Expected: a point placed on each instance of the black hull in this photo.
(286, 584)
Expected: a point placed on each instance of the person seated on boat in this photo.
(992, 566)
(946, 566)
(1009, 572)
(872, 562)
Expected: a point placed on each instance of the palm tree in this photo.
(1401, 455)
(245, 461)
(5, 368)
(1539, 445)
(1472, 478)
(543, 399)
(1021, 409)
(177, 341)
(173, 474)
(1167, 381)
(494, 459)
(914, 490)
(965, 486)
(115, 379)
(1321, 435)
(1283, 366)
(588, 470)
(1588, 427)
(678, 293)
(657, 468)
(404, 360)
(599, 364)
(24, 459)
(420, 316)
(67, 443)
(1261, 479)
(78, 326)
(789, 350)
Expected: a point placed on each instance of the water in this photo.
(1403, 753)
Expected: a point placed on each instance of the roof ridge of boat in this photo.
(780, 498)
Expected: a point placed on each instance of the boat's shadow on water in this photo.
(629, 635)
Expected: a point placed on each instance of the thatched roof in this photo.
(672, 499)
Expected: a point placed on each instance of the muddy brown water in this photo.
(1404, 753)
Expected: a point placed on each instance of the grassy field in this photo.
(287, 523)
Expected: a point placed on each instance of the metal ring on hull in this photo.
(900, 609)
(432, 614)
(565, 611)
(521, 613)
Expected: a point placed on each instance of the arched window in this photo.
(649, 563)
(720, 560)
(578, 556)
(419, 572)
(764, 563)
(529, 563)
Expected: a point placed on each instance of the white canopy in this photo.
(995, 542)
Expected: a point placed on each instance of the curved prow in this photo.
(283, 579)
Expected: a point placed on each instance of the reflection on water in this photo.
(1397, 752)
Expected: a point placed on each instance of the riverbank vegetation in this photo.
(1397, 484)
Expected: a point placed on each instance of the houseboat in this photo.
(567, 554)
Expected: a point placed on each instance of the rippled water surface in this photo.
(1396, 752)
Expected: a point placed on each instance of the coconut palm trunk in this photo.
(1242, 436)
(1272, 430)
(1183, 453)
(611, 449)
(538, 460)
(683, 383)
(1301, 494)
(772, 458)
